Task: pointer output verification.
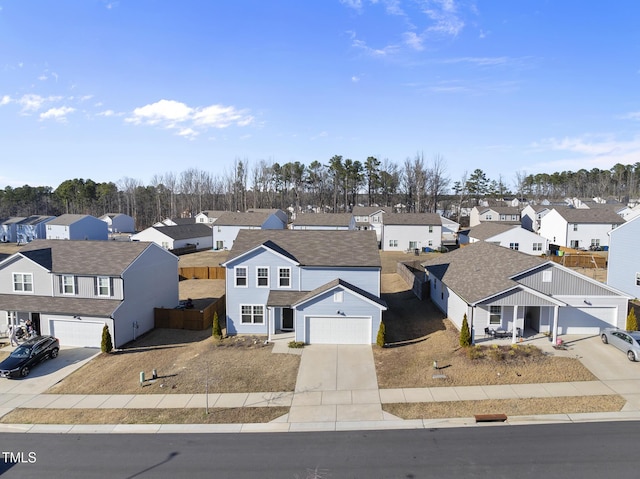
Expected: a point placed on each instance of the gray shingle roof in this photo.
(502, 210)
(67, 219)
(109, 258)
(421, 219)
(480, 270)
(35, 219)
(62, 305)
(315, 248)
(339, 282)
(323, 219)
(250, 218)
(489, 229)
(180, 232)
(369, 210)
(593, 216)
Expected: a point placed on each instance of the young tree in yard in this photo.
(217, 330)
(106, 345)
(632, 322)
(465, 334)
(381, 334)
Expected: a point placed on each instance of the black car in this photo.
(27, 355)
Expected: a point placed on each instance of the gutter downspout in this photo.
(555, 324)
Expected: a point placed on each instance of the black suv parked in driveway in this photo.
(27, 355)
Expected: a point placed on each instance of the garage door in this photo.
(586, 320)
(77, 333)
(338, 330)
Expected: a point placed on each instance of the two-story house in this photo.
(508, 236)
(579, 228)
(119, 223)
(503, 214)
(32, 227)
(226, 227)
(411, 231)
(370, 218)
(322, 285)
(71, 289)
(623, 271)
(196, 235)
(77, 227)
(8, 229)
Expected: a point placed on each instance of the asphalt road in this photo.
(589, 450)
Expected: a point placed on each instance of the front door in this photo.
(287, 319)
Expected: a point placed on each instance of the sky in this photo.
(114, 89)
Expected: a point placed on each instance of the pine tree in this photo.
(217, 330)
(632, 322)
(465, 334)
(381, 334)
(106, 345)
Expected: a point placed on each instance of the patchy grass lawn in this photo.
(510, 407)
(242, 415)
(185, 361)
(417, 334)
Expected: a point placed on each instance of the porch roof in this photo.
(285, 298)
(58, 305)
(521, 296)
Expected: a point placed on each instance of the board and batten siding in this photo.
(563, 282)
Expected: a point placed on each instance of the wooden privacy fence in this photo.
(191, 319)
(413, 274)
(580, 260)
(202, 272)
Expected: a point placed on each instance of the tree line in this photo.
(417, 185)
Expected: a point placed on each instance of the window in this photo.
(546, 276)
(376, 219)
(262, 277)
(430, 243)
(413, 244)
(637, 279)
(595, 242)
(338, 297)
(495, 314)
(430, 229)
(23, 282)
(252, 314)
(503, 217)
(488, 217)
(393, 243)
(537, 246)
(104, 286)
(575, 226)
(68, 284)
(241, 277)
(515, 246)
(284, 277)
(575, 244)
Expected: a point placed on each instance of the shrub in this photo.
(632, 322)
(496, 353)
(475, 352)
(381, 333)
(296, 344)
(465, 334)
(216, 330)
(106, 345)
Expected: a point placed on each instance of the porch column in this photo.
(514, 334)
(555, 324)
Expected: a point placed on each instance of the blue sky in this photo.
(131, 88)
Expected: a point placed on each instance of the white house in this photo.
(411, 231)
(531, 215)
(208, 216)
(178, 236)
(499, 288)
(72, 289)
(227, 226)
(119, 223)
(508, 236)
(623, 270)
(504, 214)
(450, 230)
(579, 228)
(370, 218)
(77, 227)
(324, 221)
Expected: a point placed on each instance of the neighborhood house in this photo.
(324, 286)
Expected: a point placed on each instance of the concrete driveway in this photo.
(49, 372)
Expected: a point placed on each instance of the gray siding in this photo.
(367, 279)
(518, 297)
(86, 287)
(624, 258)
(41, 277)
(563, 282)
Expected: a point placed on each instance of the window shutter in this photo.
(95, 286)
(111, 287)
(60, 287)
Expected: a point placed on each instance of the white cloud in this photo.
(107, 113)
(5, 100)
(355, 79)
(634, 115)
(171, 114)
(58, 114)
(322, 134)
(414, 40)
(480, 61)
(444, 15)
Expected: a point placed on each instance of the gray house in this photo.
(119, 223)
(71, 289)
(226, 227)
(32, 227)
(307, 282)
(500, 288)
(623, 270)
(9, 229)
(77, 227)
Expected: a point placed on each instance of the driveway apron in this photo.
(336, 383)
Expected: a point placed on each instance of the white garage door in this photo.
(338, 330)
(586, 320)
(77, 333)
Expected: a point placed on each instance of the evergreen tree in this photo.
(106, 346)
(381, 334)
(465, 334)
(217, 330)
(632, 322)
